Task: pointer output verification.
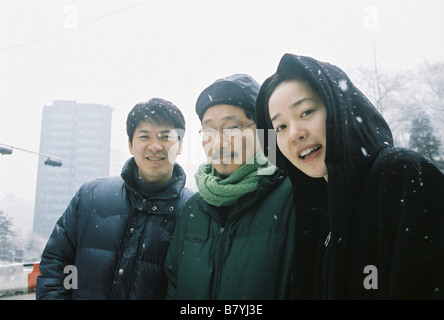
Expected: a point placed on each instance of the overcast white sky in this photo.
(119, 53)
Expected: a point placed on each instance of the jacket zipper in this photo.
(220, 263)
(222, 230)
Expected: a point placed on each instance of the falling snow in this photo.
(343, 85)
(364, 151)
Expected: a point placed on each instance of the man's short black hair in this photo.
(156, 111)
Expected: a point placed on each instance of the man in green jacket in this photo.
(234, 238)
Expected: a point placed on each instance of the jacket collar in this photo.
(171, 192)
(266, 183)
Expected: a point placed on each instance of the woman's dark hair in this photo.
(157, 111)
(274, 81)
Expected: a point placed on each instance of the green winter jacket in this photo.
(248, 256)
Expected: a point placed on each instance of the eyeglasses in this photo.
(228, 132)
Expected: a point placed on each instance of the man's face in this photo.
(155, 149)
(229, 138)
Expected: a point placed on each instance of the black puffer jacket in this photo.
(116, 239)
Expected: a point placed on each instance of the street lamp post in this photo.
(50, 161)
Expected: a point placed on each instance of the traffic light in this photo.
(4, 150)
(53, 162)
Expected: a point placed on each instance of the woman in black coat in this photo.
(370, 223)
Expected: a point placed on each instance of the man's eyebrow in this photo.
(294, 105)
(144, 131)
(147, 131)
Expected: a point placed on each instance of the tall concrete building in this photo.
(80, 135)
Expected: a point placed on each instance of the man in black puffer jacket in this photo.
(115, 232)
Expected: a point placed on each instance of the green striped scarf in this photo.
(225, 192)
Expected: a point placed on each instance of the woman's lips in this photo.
(309, 153)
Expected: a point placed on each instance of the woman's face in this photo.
(299, 119)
